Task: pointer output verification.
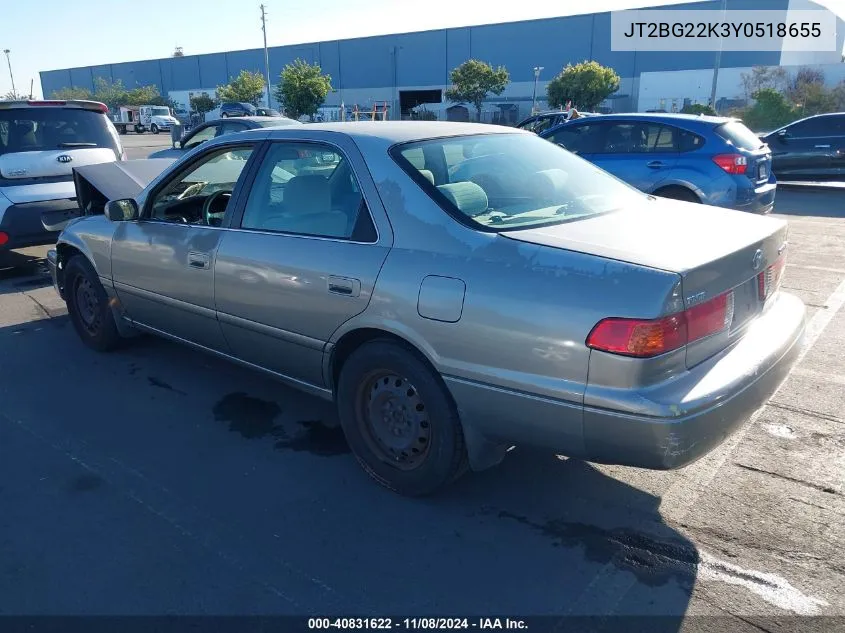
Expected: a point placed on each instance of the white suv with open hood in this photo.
(40, 144)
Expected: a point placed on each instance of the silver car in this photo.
(457, 289)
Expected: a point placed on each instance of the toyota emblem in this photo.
(64, 158)
(757, 260)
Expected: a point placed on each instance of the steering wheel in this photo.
(212, 218)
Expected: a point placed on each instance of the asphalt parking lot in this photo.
(156, 480)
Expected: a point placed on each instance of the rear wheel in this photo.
(677, 193)
(224, 116)
(399, 419)
(88, 306)
(139, 129)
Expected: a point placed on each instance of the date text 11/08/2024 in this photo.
(432, 624)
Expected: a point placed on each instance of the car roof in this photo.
(668, 116)
(401, 131)
(254, 119)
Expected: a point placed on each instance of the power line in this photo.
(266, 55)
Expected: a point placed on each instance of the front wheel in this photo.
(88, 306)
(224, 116)
(154, 128)
(400, 420)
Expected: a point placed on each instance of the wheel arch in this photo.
(482, 452)
(679, 184)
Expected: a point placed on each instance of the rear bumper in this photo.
(762, 199)
(23, 222)
(666, 426)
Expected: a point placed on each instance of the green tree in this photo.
(247, 87)
(808, 92)
(586, 84)
(73, 92)
(761, 77)
(473, 80)
(302, 88)
(202, 103)
(113, 94)
(770, 110)
(144, 95)
(698, 108)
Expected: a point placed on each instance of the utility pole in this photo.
(537, 70)
(718, 63)
(11, 76)
(266, 55)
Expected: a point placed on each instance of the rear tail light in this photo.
(732, 163)
(3, 238)
(769, 280)
(644, 338)
(46, 103)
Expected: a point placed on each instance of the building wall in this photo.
(376, 68)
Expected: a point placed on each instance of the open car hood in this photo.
(97, 184)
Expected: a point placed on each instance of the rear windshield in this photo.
(503, 182)
(740, 136)
(37, 129)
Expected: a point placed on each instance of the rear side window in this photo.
(578, 139)
(688, 141)
(639, 138)
(736, 133)
(46, 128)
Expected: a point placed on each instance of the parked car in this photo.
(40, 144)
(712, 160)
(267, 112)
(811, 147)
(236, 108)
(546, 120)
(455, 288)
(213, 129)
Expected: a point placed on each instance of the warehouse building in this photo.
(406, 70)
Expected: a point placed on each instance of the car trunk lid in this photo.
(713, 250)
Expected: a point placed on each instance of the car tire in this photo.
(139, 129)
(88, 306)
(154, 128)
(678, 193)
(224, 116)
(415, 445)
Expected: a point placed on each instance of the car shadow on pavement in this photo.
(223, 449)
(810, 201)
(21, 271)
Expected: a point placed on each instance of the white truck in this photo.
(142, 118)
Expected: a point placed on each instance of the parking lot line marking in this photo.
(684, 494)
(825, 269)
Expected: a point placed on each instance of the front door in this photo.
(163, 264)
(302, 259)
(803, 149)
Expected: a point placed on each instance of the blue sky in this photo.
(50, 34)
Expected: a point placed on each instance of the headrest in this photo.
(427, 174)
(308, 194)
(549, 184)
(467, 196)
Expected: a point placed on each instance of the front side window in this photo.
(502, 182)
(307, 189)
(200, 194)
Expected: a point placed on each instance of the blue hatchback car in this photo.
(712, 160)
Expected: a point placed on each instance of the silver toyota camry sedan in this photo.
(456, 289)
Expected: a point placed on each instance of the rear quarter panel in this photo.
(526, 311)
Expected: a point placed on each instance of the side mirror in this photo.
(783, 134)
(122, 210)
(177, 144)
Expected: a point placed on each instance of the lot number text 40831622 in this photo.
(431, 624)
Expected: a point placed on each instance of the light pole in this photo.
(266, 55)
(717, 64)
(11, 76)
(537, 70)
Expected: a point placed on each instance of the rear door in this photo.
(303, 259)
(641, 153)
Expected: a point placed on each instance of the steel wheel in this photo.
(393, 420)
(87, 305)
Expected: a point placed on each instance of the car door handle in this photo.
(656, 164)
(198, 260)
(344, 286)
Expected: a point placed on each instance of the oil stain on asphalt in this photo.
(255, 418)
